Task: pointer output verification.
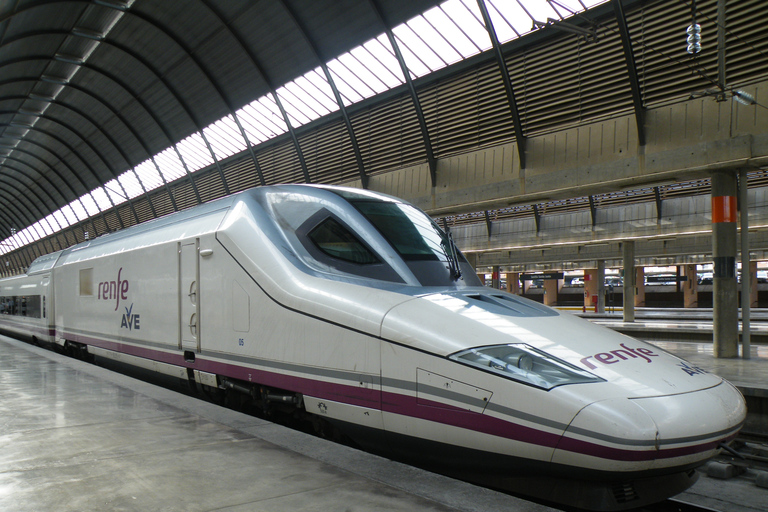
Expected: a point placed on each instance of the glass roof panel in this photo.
(267, 107)
(130, 184)
(439, 44)
(413, 34)
(382, 51)
(115, 192)
(90, 205)
(315, 83)
(225, 137)
(194, 152)
(368, 69)
(415, 62)
(170, 165)
(306, 93)
(451, 32)
(254, 128)
(45, 227)
(347, 83)
(69, 216)
(297, 110)
(467, 17)
(148, 175)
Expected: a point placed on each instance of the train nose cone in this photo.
(663, 432)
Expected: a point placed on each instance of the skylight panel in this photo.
(467, 16)
(314, 108)
(225, 137)
(436, 41)
(78, 210)
(382, 51)
(61, 219)
(378, 76)
(69, 215)
(317, 88)
(195, 152)
(510, 13)
(346, 82)
(115, 192)
(32, 233)
(267, 107)
(502, 24)
(419, 58)
(91, 208)
(131, 184)
(540, 11)
(451, 32)
(147, 173)
(349, 70)
(255, 130)
(298, 112)
(44, 227)
(51, 220)
(170, 165)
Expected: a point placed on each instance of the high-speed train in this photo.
(354, 309)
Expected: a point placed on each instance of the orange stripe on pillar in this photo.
(723, 209)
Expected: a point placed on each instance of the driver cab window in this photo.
(338, 242)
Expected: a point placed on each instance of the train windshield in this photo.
(429, 252)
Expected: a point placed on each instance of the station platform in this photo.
(78, 437)
(671, 324)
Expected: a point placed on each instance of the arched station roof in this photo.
(114, 112)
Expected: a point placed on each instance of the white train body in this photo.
(384, 340)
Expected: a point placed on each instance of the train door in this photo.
(189, 295)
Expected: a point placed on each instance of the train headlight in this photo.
(524, 363)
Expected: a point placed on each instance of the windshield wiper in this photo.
(452, 254)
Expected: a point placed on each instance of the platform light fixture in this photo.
(56, 80)
(88, 33)
(41, 97)
(68, 59)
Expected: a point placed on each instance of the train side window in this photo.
(338, 242)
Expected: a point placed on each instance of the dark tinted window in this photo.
(338, 242)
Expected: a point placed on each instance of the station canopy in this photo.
(103, 101)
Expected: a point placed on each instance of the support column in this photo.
(746, 267)
(753, 284)
(690, 287)
(724, 296)
(495, 278)
(640, 287)
(601, 286)
(590, 289)
(550, 291)
(628, 254)
(513, 282)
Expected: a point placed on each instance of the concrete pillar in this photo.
(628, 254)
(724, 286)
(640, 287)
(495, 278)
(550, 292)
(753, 284)
(690, 287)
(513, 282)
(590, 289)
(601, 286)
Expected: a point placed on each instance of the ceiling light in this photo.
(69, 59)
(54, 80)
(87, 33)
(41, 97)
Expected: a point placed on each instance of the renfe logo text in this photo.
(114, 290)
(622, 354)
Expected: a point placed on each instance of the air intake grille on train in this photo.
(624, 492)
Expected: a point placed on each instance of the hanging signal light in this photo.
(694, 38)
